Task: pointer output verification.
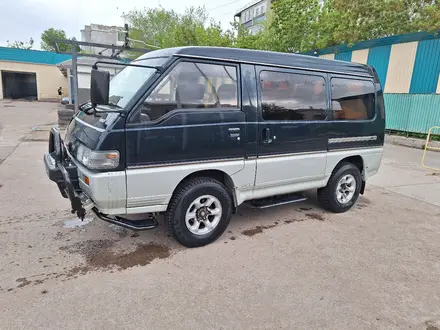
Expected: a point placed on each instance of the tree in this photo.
(264, 39)
(429, 17)
(295, 23)
(370, 19)
(166, 28)
(21, 44)
(290, 25)
(51, 34)
(303, 25)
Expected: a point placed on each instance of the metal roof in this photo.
(264, 58)
(31, 56)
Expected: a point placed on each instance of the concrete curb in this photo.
(409, 142)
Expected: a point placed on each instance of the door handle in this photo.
(266, 136)
(234, 132)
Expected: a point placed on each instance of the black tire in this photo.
(327, 196)
(181, 201)
(64, 112)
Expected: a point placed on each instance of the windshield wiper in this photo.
(90, 110)
(120, 110)
(86, 107)
(112, 104)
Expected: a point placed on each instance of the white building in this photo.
(84, 69)
(102, 34)
(253, 14)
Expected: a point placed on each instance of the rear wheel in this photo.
(342, 190)
(199, 212)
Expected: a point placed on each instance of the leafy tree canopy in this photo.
(166, 28)
(290, 25)
(21, 44)
(51, 34)
(303, 25)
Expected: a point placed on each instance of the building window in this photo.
(263, 9)
(121, 36)
(291, 96)
(352, 99)
(257, 11)
(193, 85)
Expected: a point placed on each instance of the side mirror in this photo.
(99, 87)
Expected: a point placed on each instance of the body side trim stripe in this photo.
(293, 154)
(379, 148)
(130, 167)
(187, 163)
(138, 127)
(353, 139)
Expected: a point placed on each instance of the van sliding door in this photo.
(292, 145)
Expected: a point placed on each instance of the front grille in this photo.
(51, 142)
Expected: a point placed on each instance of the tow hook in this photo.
(82, 205)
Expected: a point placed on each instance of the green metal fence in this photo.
(412, 112)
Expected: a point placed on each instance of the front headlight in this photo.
(97, 160)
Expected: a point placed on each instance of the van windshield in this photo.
(128, 81)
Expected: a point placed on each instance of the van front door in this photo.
(292, 147)
(191, 121)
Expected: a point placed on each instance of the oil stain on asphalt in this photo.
(260, 229)
(99, 254)
(315, 216)
(256, 230)
(293, 220)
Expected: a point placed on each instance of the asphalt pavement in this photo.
(291, 267)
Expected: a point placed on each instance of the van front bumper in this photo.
(65, 175)
(103, 191)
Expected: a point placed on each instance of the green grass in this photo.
(422, 136)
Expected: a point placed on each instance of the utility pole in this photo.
(126, 39)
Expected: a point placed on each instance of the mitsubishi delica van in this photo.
(193, 133)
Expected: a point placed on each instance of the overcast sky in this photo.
(22, 19)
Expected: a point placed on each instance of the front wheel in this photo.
(199, 212)
(342, 190)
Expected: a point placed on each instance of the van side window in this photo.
(193, 85)
(291, 96)
(352, 99)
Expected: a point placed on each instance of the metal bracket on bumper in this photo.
(57, 172)
(75, 199)
(56, 161)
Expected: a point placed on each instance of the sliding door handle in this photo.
(266, 136)
(234, 132)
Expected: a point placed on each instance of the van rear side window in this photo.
(291, 96)
(352, 99)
